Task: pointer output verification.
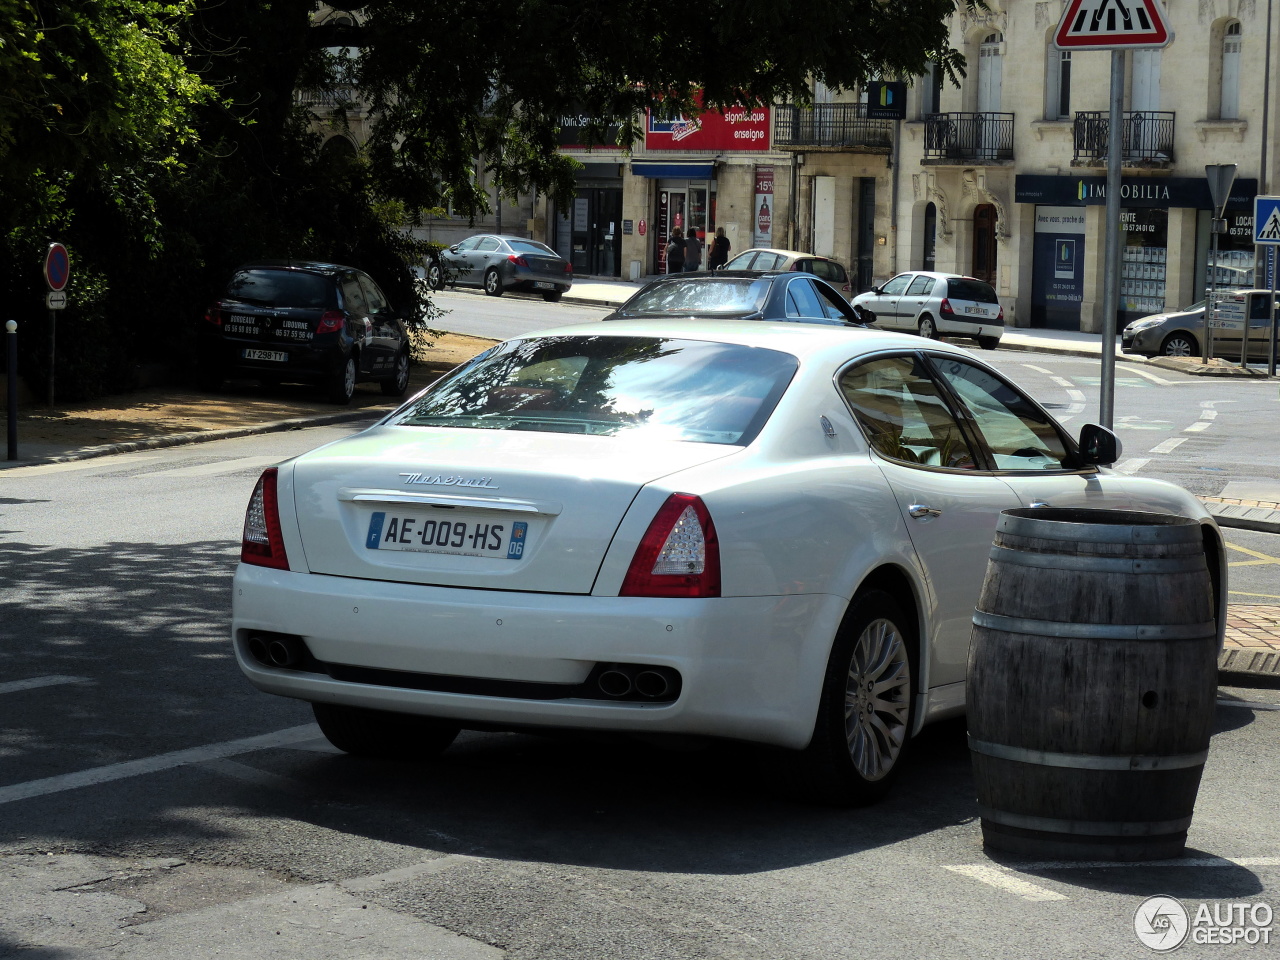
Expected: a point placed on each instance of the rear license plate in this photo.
(979, 311)
(456, 534)
(543, 285)
(277, 355)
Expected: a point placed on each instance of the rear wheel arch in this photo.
(894, 581)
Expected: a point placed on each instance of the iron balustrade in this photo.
(345, 96)
(969, 137)
(1146, 136)
(830, 125)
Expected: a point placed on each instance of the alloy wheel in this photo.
(877, 701)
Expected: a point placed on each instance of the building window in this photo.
(931, 90)
(1229, 90)
(1057, 84)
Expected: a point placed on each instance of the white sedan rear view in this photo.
(768, 532)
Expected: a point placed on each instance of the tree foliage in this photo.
(163, 141)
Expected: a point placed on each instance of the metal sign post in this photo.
(1115, 25)
(1220, 177)
(1266, 231)
(11, 327)
(57, 273)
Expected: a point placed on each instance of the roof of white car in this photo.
(803, 340)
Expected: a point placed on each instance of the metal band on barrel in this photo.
(1084, 761)
(1086, 828)
(1047, 528)
(1065, 561)
(1096, 631)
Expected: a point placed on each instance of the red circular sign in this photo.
(642, 227)
(57, 267)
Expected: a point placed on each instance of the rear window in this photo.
(705, 296)
(532, 246)
(975, 290)
(826, 269)
(605, 386)
(283, 288)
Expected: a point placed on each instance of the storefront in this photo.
(589, 233)
(1164, 256)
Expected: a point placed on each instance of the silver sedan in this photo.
(499, 263)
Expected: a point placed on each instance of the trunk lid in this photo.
(493, 509)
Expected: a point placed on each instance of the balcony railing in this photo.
(345, 96)
(830, 125)
(968, 137)
(1147, 136)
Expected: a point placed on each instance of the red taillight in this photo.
(794, 268)
(213, 315)
(568, 267)
(261, 543)
(518, 260)
(847, 288)
(1000, 318)
(679, 555)
(945, 308)
(331, 321)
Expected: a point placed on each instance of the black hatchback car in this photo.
(304, 321)
(740, 295)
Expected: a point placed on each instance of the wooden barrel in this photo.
(1092, 676)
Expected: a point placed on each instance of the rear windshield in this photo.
(605, 386)
(284, 288)
(707, 297)
(976, 290)
(532, 246)
(827, 270)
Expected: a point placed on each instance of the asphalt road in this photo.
(152, 804)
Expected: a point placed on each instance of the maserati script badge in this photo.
(439, 480)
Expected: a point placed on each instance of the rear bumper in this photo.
(305, 361)
(751, 668)
(970, 328)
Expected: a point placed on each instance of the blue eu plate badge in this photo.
(515, 549)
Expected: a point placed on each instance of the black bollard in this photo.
(11, 349)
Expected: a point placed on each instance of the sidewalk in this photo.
(164, 417)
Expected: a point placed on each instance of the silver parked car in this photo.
(933, 304)
(1180, 333)
(499, 264)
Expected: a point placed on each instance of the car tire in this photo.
(927, 328)
(553, 297)
(342, 385)
(863, 732)
(435, 275)
(396, 385)
(492, 282)
(988, 343)
(387, 736)
(1179, 345)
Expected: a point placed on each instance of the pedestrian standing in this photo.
(719, 254)
(675, 252)
(692, 250)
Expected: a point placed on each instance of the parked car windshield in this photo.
(531, 246)
(290, 288)
(605, 386)
(705, 296)
(975, 290)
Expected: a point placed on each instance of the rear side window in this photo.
(802, 300)
(533, 247)
(715, 296)
(352, 295)
(373, 295)
(828, 270)
(921, 287)
(975, 290)
(283, 288)
(662, 387)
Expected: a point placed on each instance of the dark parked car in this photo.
(499, 263)
(740, 295)
(308, 322)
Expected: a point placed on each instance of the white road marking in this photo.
(223, 466)
(1132, 466)
(1046, 372)
(1045, 865)
(1209, 414)
(14, 686)
(164, 761)
(1198, 426)
(40, 470)
(1150, 376)
(1167, 446)
(1004, 880)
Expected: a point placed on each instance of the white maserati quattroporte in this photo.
(769, 532)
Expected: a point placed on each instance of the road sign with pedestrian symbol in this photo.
(1266, 219)
(1112, 25)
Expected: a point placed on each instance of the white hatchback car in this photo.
(770, 532)
(931, 304)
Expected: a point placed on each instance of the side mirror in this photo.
(454, 248)
(1098, 445)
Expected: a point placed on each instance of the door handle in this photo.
(919, 511)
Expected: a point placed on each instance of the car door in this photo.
(387, 336)
(885, 303)
(359, 323)
(486, 254)
(950, 504)
(1026, 448)
(1260, 324)
(457, 261)
(915, 299)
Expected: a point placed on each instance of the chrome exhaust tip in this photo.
(615, 683)
(652, 684)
